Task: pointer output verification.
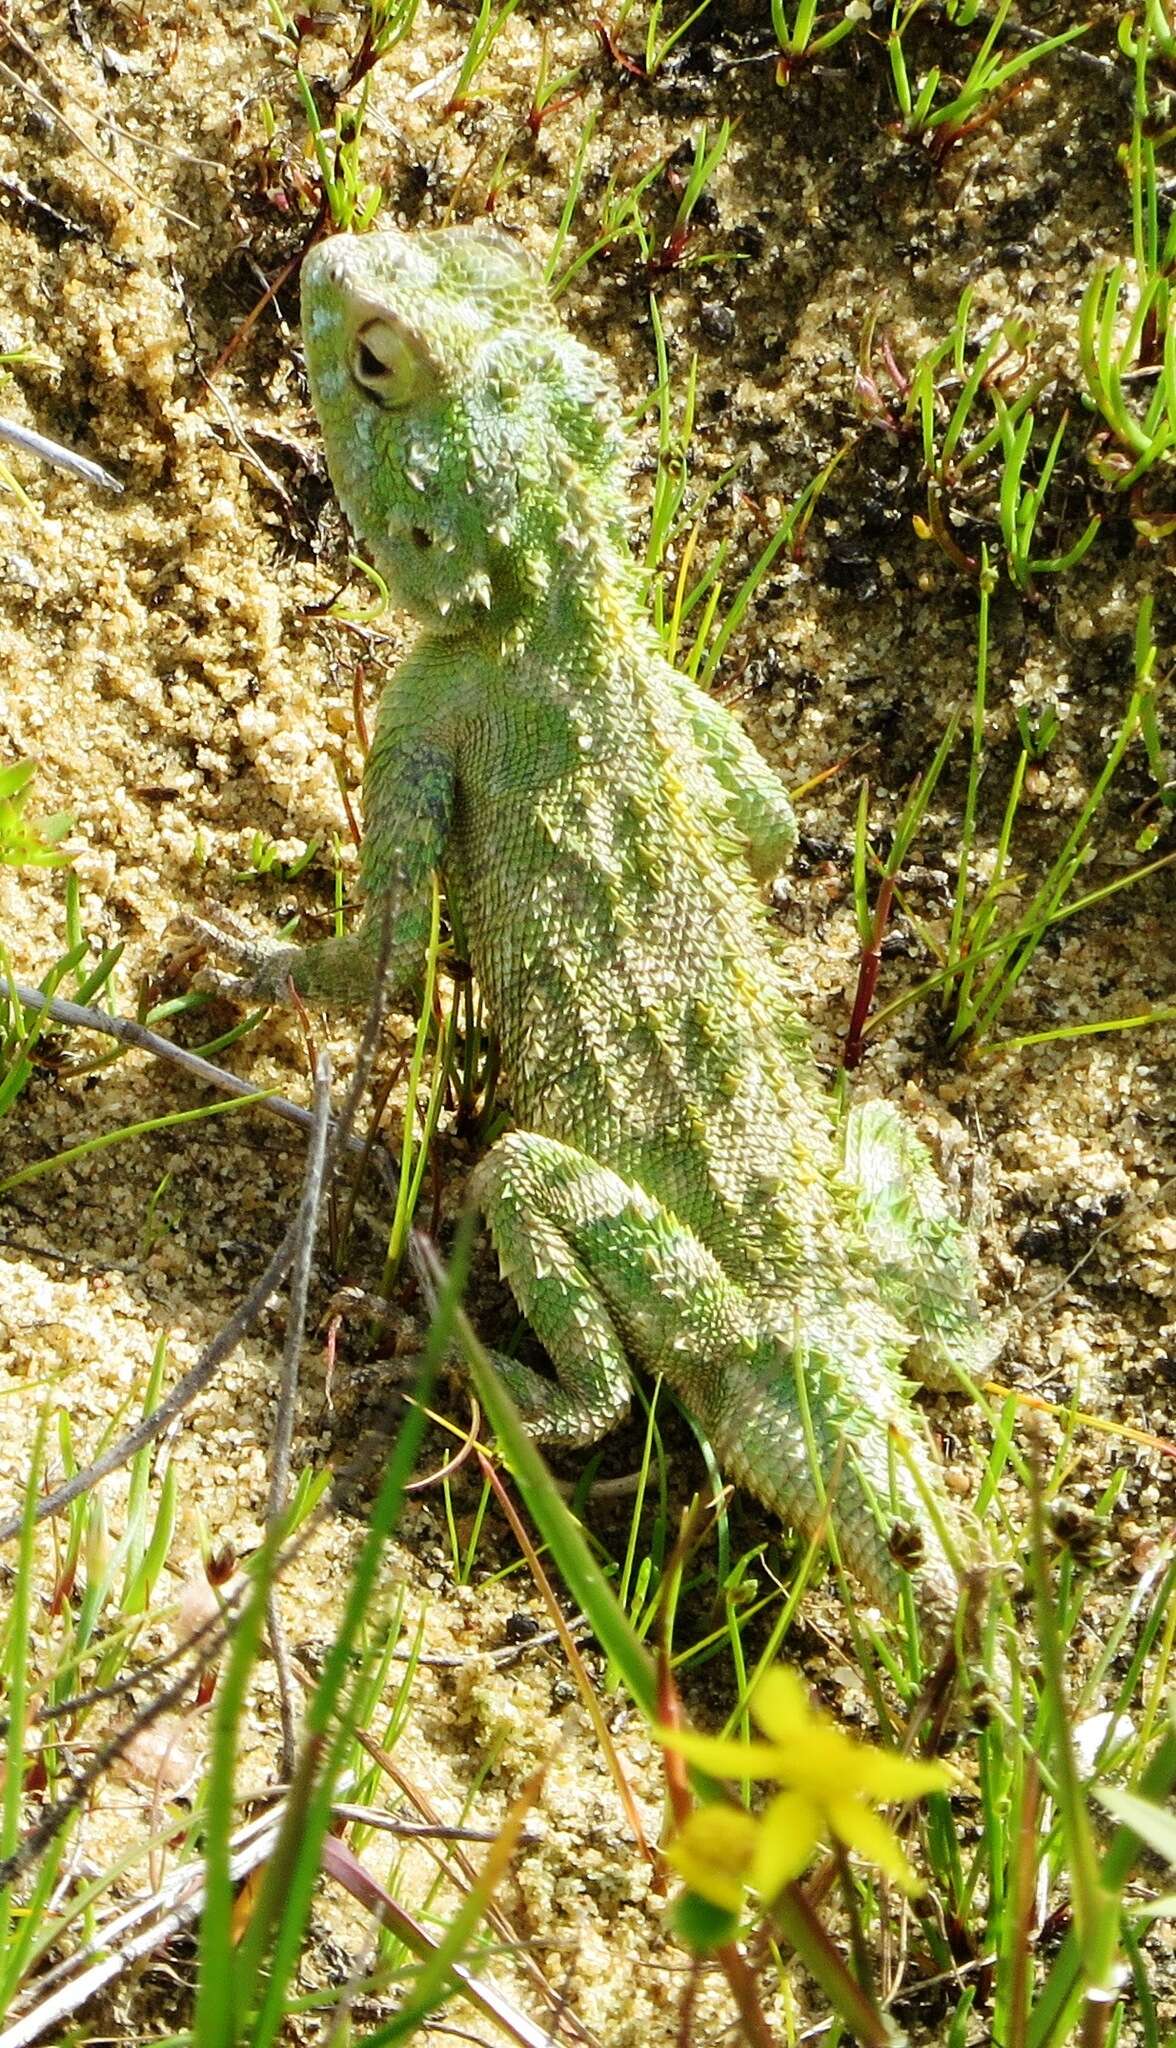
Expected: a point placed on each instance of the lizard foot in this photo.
(266, 965)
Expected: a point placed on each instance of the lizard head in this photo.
(471, 441)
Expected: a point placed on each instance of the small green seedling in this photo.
(992, 939)
(681, 598)
(622, 217)
(1159, 25)
(991, 80)
(1037, 730)
(969, 452)
(487, 28)
(414, 1156)
(939, 402)
(673, 253)
(1111, 363)
(26, 842)
(552, 93)
(1021, 502)
(352, 202)
(872, 919)
(264, 859)
(657, 47)
(808, 36)
(618, 220)
(1127, 326)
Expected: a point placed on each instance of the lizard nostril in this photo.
(421, 538)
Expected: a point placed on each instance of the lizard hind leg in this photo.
(604, 1274)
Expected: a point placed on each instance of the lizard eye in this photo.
(383, 363)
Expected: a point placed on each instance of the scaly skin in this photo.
(677, 1192)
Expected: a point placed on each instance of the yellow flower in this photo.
(831, 1784)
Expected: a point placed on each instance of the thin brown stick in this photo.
(127, 1031)
(247, 1312)
(306, 1223)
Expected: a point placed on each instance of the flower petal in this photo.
(724, 1756)
(780, 1704)
(820, 1758)
(789, 1831)
(860, 1828)
(881, 1774)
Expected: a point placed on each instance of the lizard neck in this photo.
(572, 598)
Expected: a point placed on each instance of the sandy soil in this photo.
(163, 662)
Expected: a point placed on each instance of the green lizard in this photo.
(677, 1192)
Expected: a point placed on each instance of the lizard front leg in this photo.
(409, 790)
(757, 803)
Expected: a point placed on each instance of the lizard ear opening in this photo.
(383, 363)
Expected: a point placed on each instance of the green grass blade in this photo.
(149, 1124)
